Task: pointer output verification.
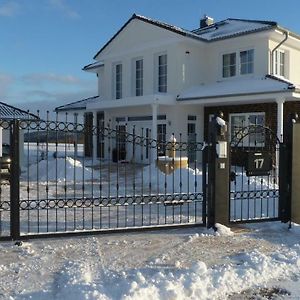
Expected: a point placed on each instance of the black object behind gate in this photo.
(254, 187)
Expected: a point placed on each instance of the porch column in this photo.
(280, 103)
(95, 146)
(154, 128)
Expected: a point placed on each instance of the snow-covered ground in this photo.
(257, 261)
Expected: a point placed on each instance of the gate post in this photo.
(218, 193)
(286, 167)
(15, 181)
(295, 190)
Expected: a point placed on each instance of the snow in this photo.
(175, 264)
(229, 27)
(60, 169)
(220, 121)
(234, 87)
(239, 262)
(94, 65)
(190, 180)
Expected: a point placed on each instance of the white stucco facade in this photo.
(195, 62)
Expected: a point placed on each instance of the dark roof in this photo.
(233, 27)
(169, 27)
(9, 112)
(76, 105)
(219, 30)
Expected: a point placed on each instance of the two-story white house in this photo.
(161, 79)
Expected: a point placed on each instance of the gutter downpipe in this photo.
(272, 52)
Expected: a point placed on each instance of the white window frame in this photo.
(138, 90)
(246, 141)
(279, 65)
(238, 63)
(117, 83)
(229, 66)
(249, 64)
(162, 87)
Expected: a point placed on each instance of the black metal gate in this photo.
(55, 189)
(254, 186)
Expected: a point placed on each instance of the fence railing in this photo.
(60, 189)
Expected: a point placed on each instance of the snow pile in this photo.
(254, 183)
(77, 280)
(60, 169)
(132, 267)
(223, 230)
(182, 180)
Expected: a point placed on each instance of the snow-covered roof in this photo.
(160, 24)
(77, 105)
(238, 87)
(219, 30)
(93, 66)
(232, 27)
(9, 112)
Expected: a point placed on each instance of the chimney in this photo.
(206, 21)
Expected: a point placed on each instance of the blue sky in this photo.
(45, 43)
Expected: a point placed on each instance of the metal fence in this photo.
(55, 188)
(254, 197)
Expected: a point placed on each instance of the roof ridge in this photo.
(273, 23)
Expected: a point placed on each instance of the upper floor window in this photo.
(246, 61)
(162, 73)
(118, 81)
(229, 65)
(279, 63)
(238, 63)
(139, 77)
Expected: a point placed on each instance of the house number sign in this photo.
(258, 164)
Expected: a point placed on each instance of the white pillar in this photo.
(154, 128)
(280, 103)
(95, 146)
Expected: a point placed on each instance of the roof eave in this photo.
(234, 95)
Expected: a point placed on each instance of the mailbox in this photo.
(258, 163)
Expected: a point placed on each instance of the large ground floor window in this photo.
(239, 121)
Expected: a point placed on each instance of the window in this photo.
(279, 63)
(139, 77)
(246, 61)
(192, 118)
(118, 81)
(238, 63)
(229, 65)
(162, 73)
(239, 121)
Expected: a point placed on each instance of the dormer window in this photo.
(238, 63)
